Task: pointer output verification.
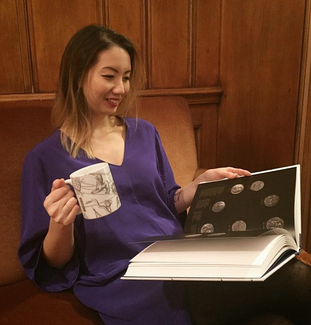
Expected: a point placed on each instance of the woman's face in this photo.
(108, 81)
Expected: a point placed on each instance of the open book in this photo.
(242, 229)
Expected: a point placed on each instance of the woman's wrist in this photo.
(58, 245)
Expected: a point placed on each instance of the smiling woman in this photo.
(99, 72)
(108, 81)
(59, 249)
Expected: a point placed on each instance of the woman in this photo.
(100, 72)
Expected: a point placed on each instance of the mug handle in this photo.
(68, 181)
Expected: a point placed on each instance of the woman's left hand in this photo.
(221, 173)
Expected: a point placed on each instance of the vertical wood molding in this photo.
(24, 43)
(303, 135)
(32, 49)
(100, 11)
(148, 45)
(193, 41)
(106, 17)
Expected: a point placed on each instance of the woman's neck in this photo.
(105, 124)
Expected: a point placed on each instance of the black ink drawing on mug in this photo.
(118, 201)
(105, 204)
(97, 214)
(101, 185)
(113, 188)
(77, 184)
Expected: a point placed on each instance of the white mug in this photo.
(95, 190)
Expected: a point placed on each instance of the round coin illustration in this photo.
(218, 206)
(275, 223)
(208, 228)
(271, 200)
(257, 186)
(239, 225)
(237, 189)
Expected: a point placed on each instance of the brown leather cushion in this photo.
(25, 304)
(23, 124)
(171, 116)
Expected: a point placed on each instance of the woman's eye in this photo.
(108, 76)
(127, 78)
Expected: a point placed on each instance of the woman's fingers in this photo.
(225, 172)
(236, 172)
(60, 204)
(68, 212)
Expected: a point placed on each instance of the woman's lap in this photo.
(287, 292)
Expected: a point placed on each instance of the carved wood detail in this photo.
(207, 95)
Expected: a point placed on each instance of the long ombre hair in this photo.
(71, 113)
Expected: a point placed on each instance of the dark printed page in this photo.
(245, 205)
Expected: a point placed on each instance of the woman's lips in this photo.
(113, 102)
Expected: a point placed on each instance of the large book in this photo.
(241, 229)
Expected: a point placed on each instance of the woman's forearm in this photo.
(183, 197)
(58, 245)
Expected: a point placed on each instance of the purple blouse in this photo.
(104, 246)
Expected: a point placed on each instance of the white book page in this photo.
(211, 251)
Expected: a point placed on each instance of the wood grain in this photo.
(260, 65)
(52, 23)
(14, 55)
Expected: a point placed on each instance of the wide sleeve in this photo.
(37, 180)
(166, 174)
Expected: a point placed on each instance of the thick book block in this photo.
(241, 229)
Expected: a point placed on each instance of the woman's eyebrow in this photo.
(115, 70)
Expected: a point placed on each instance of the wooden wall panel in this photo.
(260, 65)
(249, 51)
(206, 44)
(132, 23)
(204, 119)
(303, 139)
(14, 54)
(52, 23)
(170, 43)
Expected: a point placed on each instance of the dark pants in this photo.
(287, 293)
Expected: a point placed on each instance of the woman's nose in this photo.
(119, 87)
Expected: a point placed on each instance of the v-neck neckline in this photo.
(124, 151)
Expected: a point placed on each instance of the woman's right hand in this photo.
(62, 207)
(61, 204)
